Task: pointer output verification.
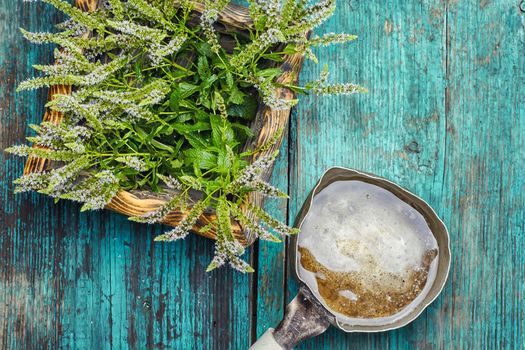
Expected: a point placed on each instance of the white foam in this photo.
(348, 294)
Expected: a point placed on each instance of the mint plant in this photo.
(160, 103)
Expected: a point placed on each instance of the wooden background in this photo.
(445, 118)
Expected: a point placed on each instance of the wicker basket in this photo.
(266, 123)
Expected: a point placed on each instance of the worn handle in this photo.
(267, 342)
(303, 318)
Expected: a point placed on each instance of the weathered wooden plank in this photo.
(445, 119)
(269, 296)
(396, 130)
(25, 288)
(484, 173)
(96, 280)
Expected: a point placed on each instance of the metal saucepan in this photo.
(306, 316)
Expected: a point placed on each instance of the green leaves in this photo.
(185, 90)
(203, 67)
(246, 109)
(222, 133)
(203, 159)
(159, 100)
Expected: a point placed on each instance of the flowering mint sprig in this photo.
(133, 162)
(159, 51)
(185, 225)
(88, 20)
(209, 16)
(266, 88)
(55, 136)
(331, 38)
(60, 155)
(171, 182)
(30, 182)
(158, 215)
(321, 87)
(265, 40)
(254, 226)
(100, 73)
(250, 178)
(95, 192)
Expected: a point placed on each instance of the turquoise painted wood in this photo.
(96, 280)
(445, 118)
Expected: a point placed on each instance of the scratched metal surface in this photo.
(445, 118)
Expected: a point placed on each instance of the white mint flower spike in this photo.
(331, 38)
(133, 162)
(272, 10)
(208, 18)
(269, 37)
(158, 51)
(185, 225)
(171, 182)
(31, 182)
(139, 31)
(340, 89)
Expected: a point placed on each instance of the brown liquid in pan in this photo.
(372, 300)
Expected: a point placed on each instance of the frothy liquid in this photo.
(367, 255)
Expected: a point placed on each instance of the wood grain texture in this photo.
(268, 296)
(445, 118)
(71, 280)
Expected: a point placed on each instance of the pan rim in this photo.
(443, 251)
